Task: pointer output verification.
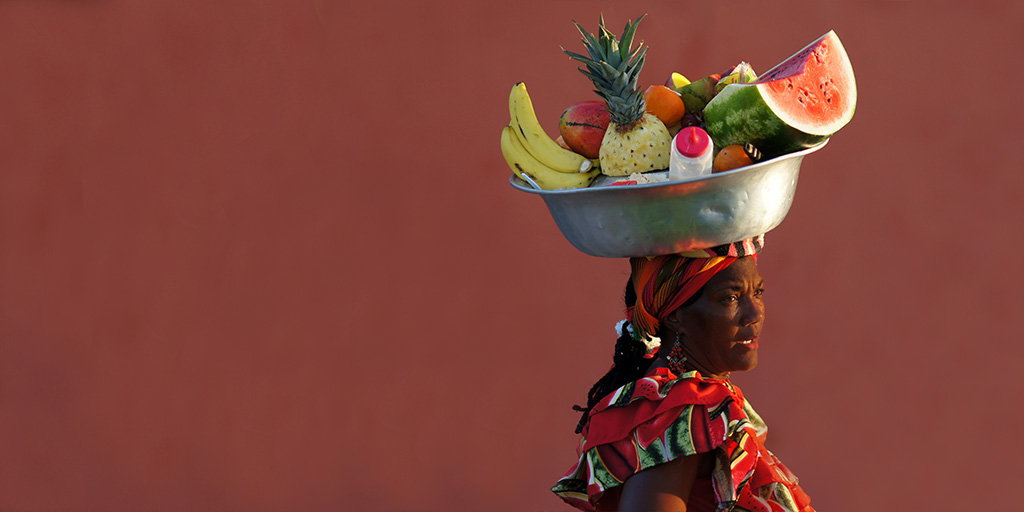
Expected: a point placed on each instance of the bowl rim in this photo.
(518, 182)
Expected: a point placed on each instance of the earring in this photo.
(676, 358)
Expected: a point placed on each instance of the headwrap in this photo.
(663, 283)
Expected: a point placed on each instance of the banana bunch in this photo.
(529, 150)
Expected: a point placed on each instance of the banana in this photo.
(522, 162)
(536, 140)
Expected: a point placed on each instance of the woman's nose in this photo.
(753, 311)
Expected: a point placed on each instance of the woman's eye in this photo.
(759, 293)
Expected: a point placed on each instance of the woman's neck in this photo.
(663, 362)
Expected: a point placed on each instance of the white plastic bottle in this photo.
(692, 154)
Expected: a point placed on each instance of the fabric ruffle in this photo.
(660, 418)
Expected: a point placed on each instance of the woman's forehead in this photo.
(741, 272)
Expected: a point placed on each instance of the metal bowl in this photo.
(671, 217)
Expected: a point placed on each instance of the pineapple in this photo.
(635, 141)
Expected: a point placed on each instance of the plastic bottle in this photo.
(692, 154)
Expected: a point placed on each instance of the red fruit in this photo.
(583, 125)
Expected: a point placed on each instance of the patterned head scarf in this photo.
(663, 283)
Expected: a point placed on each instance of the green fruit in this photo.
(697, 94)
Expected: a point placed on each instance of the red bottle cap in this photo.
(693, 141)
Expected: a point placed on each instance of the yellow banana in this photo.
(521, 161)
(536, 140)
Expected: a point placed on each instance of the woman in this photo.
(665, 430)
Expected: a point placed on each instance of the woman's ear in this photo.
(674, 321)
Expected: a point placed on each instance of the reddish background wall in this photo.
(264, 256)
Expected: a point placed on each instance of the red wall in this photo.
(264, 255)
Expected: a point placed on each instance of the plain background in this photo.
(264, 256)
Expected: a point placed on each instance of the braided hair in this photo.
(628, 363)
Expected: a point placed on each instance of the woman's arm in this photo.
(661, 488)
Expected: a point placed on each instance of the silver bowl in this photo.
(671, 217)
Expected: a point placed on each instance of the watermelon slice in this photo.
(797, 104)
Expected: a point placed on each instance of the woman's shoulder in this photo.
(658, 398)
(661, 385)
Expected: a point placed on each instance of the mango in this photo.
(583, 126)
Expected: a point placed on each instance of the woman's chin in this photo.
(746, 362)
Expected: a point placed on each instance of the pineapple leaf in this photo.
(592, 68)
(589, 42)
(634, 58)
(591, 75)
(611, 48)
(621, 66)
(582, 58)
(637, 62)
(627, 36)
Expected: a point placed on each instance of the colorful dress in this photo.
(660, 418)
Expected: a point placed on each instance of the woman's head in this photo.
(662, 284)
(712, 306)
(719, 330)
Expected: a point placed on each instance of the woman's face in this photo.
(719, 331)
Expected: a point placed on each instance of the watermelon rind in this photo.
(740, 115)
(752, 113)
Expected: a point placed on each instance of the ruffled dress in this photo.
(660, 418)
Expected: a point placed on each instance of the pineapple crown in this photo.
(615, 69)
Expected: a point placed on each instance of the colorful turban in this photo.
(663, 283)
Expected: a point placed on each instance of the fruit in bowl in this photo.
(583, 125)
(676, 80)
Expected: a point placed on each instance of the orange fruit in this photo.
(665, 104)
(731, 157)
